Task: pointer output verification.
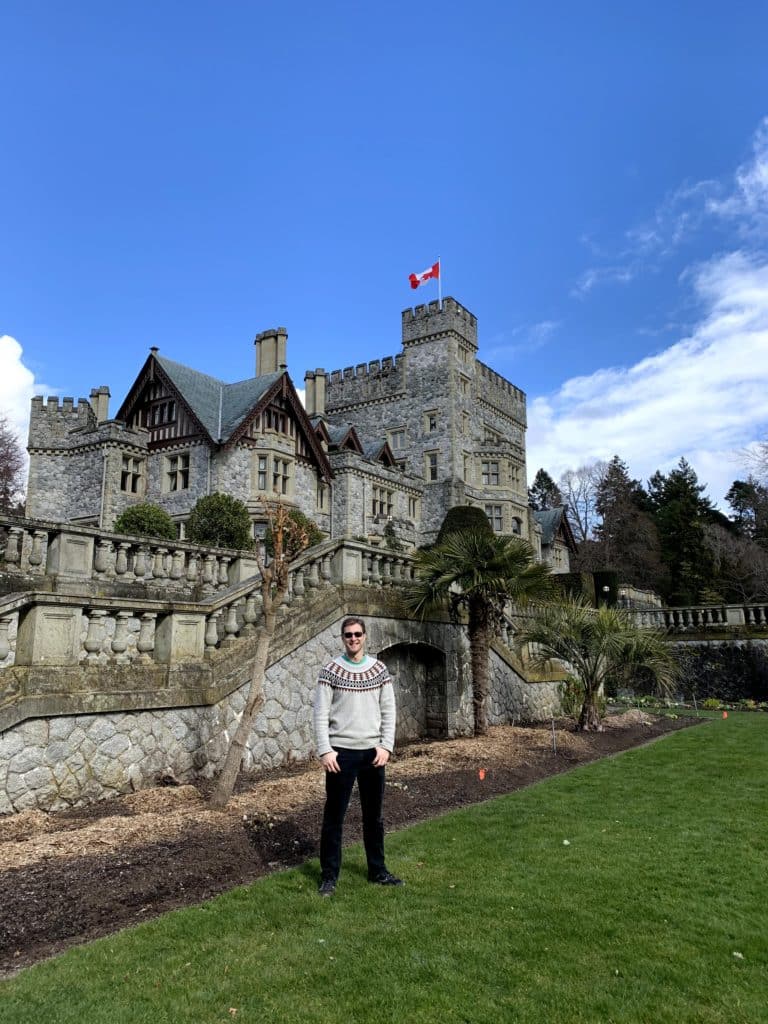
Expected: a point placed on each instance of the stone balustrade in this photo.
(73, 556)
(77, 628)
(703, 618)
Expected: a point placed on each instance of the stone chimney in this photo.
(314, 386)
(271, 349)
(100, 403)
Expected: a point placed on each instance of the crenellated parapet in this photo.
(434, 318)
(366, 382)
(65, 425)
(498, 392)
(52, 421)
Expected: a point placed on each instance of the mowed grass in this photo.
(629, 890)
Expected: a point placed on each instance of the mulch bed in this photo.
(70, 877)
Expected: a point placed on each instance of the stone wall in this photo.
(512, 700)
(69, 760)
(179, 503)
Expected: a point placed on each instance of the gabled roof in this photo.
(340, 435)
(320, 428)
(224, 411)
(378, 451)
(554, 521)
(219, 407)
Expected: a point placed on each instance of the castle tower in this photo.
(432, 322)
(450, 420)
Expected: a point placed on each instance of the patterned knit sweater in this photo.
(354, 705)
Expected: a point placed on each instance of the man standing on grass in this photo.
(354, 735)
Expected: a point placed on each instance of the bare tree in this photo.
(288, 540)
(11, 467)
(757, 460)
(740, 565)
(579, 488)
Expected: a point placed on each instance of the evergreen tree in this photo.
(626, 538)
(544, 493)
(220, 520)
(146, 520)
(682, 515)
(749, 501)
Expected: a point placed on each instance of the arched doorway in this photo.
(419, 677)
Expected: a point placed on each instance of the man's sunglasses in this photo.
(348, 636)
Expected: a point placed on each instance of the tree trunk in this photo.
(479, 648)
(589, 719)
(225, 783)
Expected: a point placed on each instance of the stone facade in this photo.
(386, 446)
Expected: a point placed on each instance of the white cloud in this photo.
(646, 245)
(748, 203)
(604, 275)
(702, 398)
(17, 386)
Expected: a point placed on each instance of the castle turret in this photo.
(271, 348)
(424, 323)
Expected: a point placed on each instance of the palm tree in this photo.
(479, 572)
(597, 644)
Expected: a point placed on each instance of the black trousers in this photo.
(354, 765)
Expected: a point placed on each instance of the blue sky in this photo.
(594, 177)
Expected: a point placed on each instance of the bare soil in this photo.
(70, 877)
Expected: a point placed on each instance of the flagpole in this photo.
(439, 283)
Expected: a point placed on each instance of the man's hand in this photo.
(382, 756)
(330, 761)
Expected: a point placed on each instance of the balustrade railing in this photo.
(75, 628)
(82, 554)
(700, 618)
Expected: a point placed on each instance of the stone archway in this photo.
(418, 672)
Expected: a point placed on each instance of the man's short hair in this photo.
(352, 620)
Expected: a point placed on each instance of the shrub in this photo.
(463, 517)
(221, 521)
(391, 540)
(571, 697)
(711, 704)
(146, 520)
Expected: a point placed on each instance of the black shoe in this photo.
(327, 887)
(385, 878)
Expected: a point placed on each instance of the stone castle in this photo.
(379, 451)
(125, 659)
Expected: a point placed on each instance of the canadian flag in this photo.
(425, 275)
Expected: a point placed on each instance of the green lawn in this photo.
(620, 892)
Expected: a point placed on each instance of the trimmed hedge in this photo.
(463, 517)
(146, 520)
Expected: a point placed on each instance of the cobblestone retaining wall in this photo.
(72, 760)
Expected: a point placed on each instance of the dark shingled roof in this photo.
(549, 521)
(207, 396)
